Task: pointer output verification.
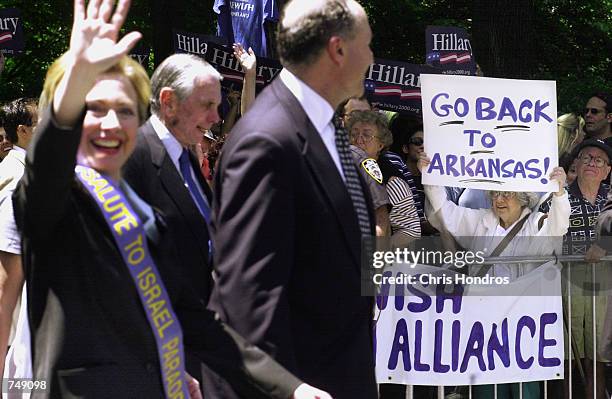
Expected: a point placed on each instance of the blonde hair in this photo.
(126, 66)
(568, 126)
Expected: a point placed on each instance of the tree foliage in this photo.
(569, 41)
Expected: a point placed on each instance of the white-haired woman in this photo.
(485, 229)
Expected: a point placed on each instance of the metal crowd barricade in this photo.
(544, 259)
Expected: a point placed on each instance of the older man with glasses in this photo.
(598, 117)
(587, 197)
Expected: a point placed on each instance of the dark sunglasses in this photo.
(415, 141)
(593, 111)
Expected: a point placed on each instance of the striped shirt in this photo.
(403, 217)
(399, 163)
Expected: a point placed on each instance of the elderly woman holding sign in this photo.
(105, 308)
(512, 213)
(509, 228)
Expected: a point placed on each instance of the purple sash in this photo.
(131, 240)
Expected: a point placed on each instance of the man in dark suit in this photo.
(289, 208)
(185, 95)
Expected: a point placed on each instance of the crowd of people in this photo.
(150, 247)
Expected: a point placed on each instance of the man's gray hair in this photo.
(179, 72)
(306, 27)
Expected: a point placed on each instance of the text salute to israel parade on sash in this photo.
(129, 235)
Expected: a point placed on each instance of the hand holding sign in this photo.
(558, 174)
(423, 162)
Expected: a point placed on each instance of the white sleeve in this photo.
(557, 222)
(458, 221)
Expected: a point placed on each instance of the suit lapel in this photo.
(323, 169)
(172, 183)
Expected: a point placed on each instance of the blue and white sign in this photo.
(488, 133)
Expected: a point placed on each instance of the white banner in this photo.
(487, 133)
(499, 333)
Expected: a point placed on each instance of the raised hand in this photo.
(93, 49)
(233, 97)
(95, 32)
(248, 60)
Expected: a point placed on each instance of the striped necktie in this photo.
(351, 178)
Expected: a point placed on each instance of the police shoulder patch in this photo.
(371, 167)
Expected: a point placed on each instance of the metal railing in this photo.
(543, 259)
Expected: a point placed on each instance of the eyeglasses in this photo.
(599, 162)
(416, 140)
(593, 111)
(366, 138)
(503, 194)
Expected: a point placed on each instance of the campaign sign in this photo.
(11, 31)
(428, 334)
(141, 54)
(449, 48)
(489, 133)
(396, 85)
(222, 58)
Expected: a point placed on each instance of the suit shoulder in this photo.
(271, 115)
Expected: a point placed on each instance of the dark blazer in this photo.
(287, 245)
(90, 335)
(151, 173)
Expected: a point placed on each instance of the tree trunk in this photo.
(504, 36)
(166, 16)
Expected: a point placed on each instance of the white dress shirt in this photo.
(319, 112)
(174, 150)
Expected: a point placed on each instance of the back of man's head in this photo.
(179, 73)
(307, 26)
(20, 112)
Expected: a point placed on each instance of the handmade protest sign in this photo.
(488, 133)
(486, 337)
(450, 49)
(11, 31)
(222, 58)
